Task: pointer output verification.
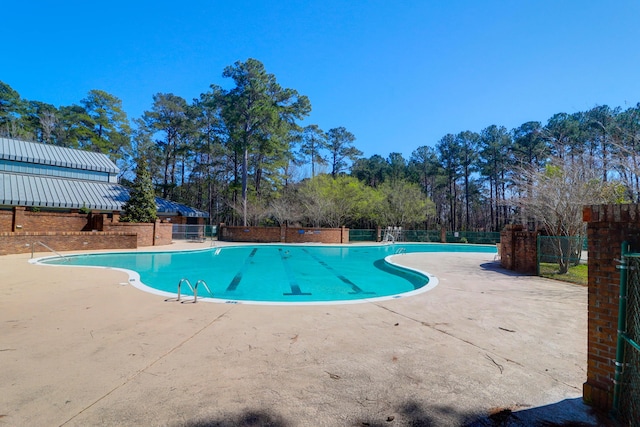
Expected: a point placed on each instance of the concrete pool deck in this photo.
(79, 347)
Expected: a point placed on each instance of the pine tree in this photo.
(141, 206)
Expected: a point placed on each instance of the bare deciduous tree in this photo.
(554, 197)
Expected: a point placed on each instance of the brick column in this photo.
(519, 249)
(18, 218)
(607, 227)
(344, 234)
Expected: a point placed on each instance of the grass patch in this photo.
(577, 273)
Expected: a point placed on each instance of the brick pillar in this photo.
(344, 234)
(443, 235)
(18, 218)
(96, 221)
(519, 249)
(607, 227)
(155, 232)
(221, 231)
(507, 246)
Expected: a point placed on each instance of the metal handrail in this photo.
(401, 251)
(194, 289)
(180, 284)
(33, 245)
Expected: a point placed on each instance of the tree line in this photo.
(242, 155)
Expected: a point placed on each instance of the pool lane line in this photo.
(295, 288)
(356, 288)
(238, 277)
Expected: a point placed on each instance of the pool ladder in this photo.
(194, 289)
(401, 251)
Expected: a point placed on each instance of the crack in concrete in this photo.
(141, 371)
(433, 326)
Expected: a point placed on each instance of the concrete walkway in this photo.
(80, 347)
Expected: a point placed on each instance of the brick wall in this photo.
(21, 242)
(149, 234)
(250, 234)
(317, 235)
(163, 233)
(283, 234)
(54, 221)
(6, 221)
(607, 227)
(519, 249)
(20, 219)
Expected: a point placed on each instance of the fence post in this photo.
(538, 255)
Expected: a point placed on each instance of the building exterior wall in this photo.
(20, 222)
(607, 227)
(519, 249)
(6, 221)
(16, 243)
(54, 221)
(179, 219)
(283, 234)
(20, 219)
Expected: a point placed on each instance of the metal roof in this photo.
(45, 154)
(53, 192)
(171, 208)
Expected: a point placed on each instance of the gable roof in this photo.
(45, 154)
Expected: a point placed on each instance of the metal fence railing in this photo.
(428, 236)
(562, 251)
(476, 237)
(359, 235)
(193, 232)
(628, 380)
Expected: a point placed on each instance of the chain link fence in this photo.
(193, 232)
(475, 237)
(428, 236)
(630, 386)
(558, 253)
(362, 235)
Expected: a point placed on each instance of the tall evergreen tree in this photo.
(141, 206)
(111, 133)
(341, 149)
(257, 113)
(313, 141)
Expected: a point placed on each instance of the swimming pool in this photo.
(276, 273)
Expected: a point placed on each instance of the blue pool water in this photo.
(276, 273)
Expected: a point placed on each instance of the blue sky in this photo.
(397, 74)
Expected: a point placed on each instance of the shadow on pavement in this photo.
(566, 413)
(495, 266)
